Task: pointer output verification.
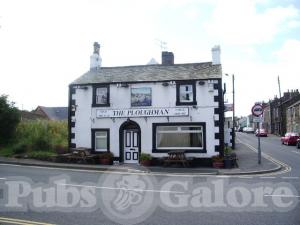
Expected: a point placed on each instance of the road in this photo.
(33, 195)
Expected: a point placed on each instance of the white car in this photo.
(248, 129)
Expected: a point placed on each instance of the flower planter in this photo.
(145, 162)
(228, 163)
(218, 164)
(105, 161)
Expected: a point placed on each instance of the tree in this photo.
(9, 119)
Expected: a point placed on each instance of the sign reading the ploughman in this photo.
(146, 112)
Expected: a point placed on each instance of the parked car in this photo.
(262, 133)
(290, 138)
(298, 143)
(248, 130)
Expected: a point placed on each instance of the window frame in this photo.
(186, 149)
(181, 83)
(95, 104)
(107, 130)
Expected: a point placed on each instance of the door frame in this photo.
(128, 125)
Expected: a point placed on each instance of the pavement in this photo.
(247, 165)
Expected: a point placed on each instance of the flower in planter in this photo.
(145, 159)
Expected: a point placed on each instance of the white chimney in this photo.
(95, 59)
(216, 55)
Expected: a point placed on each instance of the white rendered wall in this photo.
(120, 98)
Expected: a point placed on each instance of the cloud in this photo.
(240, 23)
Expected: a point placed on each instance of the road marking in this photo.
(22, 222)
(298, 152)
(290, 177)
(245, 177)
(267, 177)
(286, 167)
(124, 189)
(283, 196)
(2, 178)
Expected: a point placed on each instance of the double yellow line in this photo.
(6, 220)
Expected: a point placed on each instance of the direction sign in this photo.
(257, 110)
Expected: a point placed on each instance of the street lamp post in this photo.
(233, 111)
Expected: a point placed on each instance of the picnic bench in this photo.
(176, 157)
(82, 155)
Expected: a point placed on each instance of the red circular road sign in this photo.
(257, 110)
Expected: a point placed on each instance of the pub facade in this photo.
(152, 109)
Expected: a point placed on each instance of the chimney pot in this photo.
(216, 55)
(95, 59)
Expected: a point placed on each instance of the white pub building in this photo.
(152, 109)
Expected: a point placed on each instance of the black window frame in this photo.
(180, 83)
(107, 130)
(95, 104)
(154, 128)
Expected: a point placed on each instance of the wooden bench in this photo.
(176, 157)
(82, 155)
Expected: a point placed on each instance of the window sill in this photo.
(186, 103)
(100, 105)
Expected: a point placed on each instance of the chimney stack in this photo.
(216, 55)
(167, 58)
(95, 59)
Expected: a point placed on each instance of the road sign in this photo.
(257, 110)
(257, 119)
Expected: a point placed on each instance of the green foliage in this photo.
(145, 156)
(227, 150)
(37, 136)
(41, 155)
(42, 135)
(9, 119)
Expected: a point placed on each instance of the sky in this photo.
(45, 45)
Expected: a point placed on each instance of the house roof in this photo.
(148, 73)
(55, 113)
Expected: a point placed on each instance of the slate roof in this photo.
(55, 113)
(148, 73)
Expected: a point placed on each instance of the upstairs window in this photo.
(101, 96)
(186, 93)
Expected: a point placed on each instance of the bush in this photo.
(145, 156)
(19, 148)
(41, 155)
(43, 135)
(9, 119)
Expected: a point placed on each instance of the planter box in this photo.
(218, 164)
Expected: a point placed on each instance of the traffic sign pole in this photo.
(257, 111)
(258, 147)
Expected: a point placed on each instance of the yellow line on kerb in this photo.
(21, 222)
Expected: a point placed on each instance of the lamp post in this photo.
(233, 111)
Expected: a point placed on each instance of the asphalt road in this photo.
(56, 196)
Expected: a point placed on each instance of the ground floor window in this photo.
(100, 140)
(181, 136)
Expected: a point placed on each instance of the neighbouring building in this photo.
(30, 116)
(266, 124)
(293, 117)
(153, 108)
(278, 111)
(52, 113)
